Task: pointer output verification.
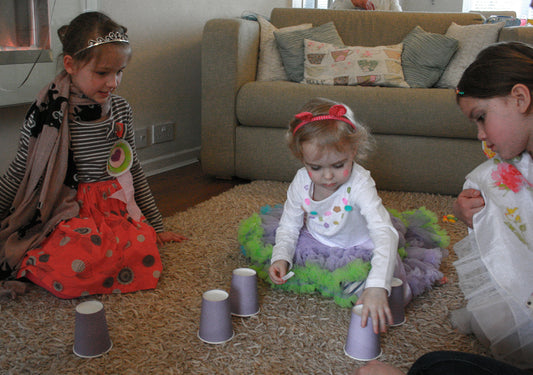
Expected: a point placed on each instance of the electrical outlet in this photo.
(141, 138)
(162, 132)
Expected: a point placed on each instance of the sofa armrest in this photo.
(522, 34)
(230, 50)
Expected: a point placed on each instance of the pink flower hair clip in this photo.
(336, 112)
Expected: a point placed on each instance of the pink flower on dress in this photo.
(507, 177)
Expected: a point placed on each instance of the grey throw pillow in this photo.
(291, 46)
(472, 39)
(425, 56)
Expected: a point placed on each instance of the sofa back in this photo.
(372, 28)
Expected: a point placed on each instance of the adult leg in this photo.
(459, 363)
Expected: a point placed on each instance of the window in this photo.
(24, 31)
(29, 45)
(319, 4)
(521, 7)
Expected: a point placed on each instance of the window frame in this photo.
(32, 17)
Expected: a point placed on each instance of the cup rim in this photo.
(89, 307)
(215, 342)
(396, 282)
(363, 359)
(215, 295)
(358, 309)
(244, 271)
(94, 355)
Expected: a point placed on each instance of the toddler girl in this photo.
(334, 226)
(494, 265)
(78, 216)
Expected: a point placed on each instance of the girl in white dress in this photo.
(496, 258)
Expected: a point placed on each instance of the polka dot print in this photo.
(331, 217)
(100, 251)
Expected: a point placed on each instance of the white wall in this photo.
(162, 81)
(432, 5)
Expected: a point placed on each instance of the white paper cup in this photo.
(396, 302)
(215, 317)
(362, 344)
(243, 293)
(91, 334)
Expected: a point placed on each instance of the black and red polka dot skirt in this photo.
(101, 251)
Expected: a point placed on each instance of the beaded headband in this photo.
(113, 36)
(336, 112)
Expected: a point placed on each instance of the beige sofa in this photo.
(424, 143)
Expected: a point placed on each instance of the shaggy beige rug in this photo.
(155, 332)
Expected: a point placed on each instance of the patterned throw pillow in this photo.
(291, 46)
(326, 64)
(425, 56)
(270, 67)
(472, 39)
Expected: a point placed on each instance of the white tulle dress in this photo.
(495, 264)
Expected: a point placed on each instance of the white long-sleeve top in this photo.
(392, 5)
(352, 215)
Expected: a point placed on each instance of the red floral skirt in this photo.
(101, 251)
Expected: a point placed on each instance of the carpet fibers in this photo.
(155, 332)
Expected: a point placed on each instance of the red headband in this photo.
(336, 112)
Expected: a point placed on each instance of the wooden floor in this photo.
(182, 188)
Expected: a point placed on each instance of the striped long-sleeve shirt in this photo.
(90, 144)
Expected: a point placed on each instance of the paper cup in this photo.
(362, 344)
(215, 318)
(243, 293)
(91, 335)
(396, 302)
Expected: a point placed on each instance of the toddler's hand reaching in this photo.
(164, 237)
(468, 203)
(277, 270)
(375, 305)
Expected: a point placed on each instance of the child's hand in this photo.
(375, 304)
(277, 270)
(468, 203)
(164, 237)
(378, 368)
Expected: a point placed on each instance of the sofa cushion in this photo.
(425, 56)
(270, 67)
(385, 110)
(372, 28)
(326, 64)
(472, 39)
(291, 46)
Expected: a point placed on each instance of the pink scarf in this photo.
(44, 197)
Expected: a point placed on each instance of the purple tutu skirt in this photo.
(419, 256)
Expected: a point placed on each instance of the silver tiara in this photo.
(113, 36)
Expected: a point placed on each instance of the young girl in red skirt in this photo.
(77, 214)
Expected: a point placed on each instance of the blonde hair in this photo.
(329, 133)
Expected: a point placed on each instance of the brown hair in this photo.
(329, 133)
(87, 26)
(496, 70)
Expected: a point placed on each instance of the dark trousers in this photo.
(458, 363)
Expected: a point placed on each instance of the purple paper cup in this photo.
(215, 317)
(362, 344)
(243, 292)
(91, 335)
(396, 302)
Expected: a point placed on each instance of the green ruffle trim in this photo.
(313, 278)
(426, 219)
